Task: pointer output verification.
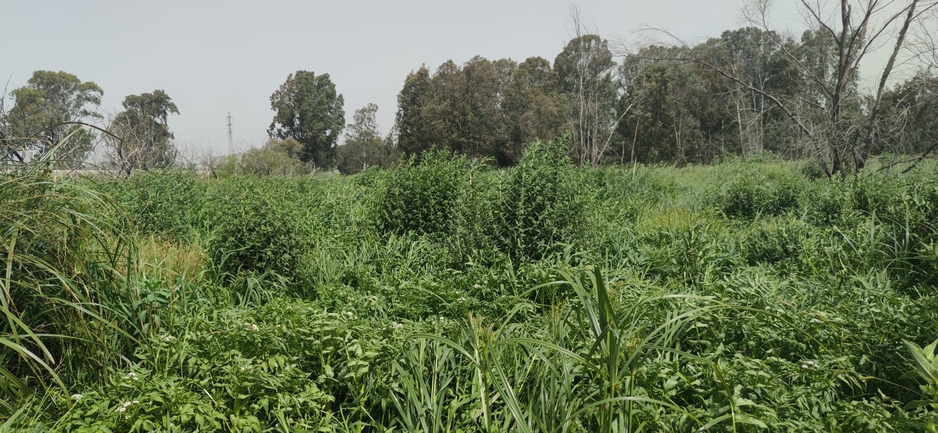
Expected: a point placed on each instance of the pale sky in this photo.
(216, 57)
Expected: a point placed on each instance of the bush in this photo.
(162, 202)
(257, 228)
(752, 193)
(539, 207)
(422, 197)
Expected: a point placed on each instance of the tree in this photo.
(532, 109)
(363, 145)
(43, 117)
(584, 69)
(827, 109)
(411, 120)
(140, 138)
(309, 110)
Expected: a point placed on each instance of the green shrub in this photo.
(421, 197)
(257, 228)
(751, 193)
(163, 202)
(539, 208)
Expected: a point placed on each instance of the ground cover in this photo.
(740, 296)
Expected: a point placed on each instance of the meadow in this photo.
(448, 296)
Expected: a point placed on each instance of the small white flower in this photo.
(808, 364)
(131, 376)
(815, 320)
(476, 286)
(396, 325)
(252, 327)
(168, 338)
(350, 314)
(461, 299)
(77, 397)
(123, 407)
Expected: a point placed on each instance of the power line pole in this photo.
(230, 141)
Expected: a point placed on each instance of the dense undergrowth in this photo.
(447, 296)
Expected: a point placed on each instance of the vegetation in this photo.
(475, 273)
(541, 298)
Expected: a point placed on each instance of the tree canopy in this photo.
(308, 110)
(41, 119)
(141, 138)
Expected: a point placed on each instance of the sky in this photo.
(219, 57)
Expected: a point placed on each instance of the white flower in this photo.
(476, 286)
(77, 397)
(252, 327)
(461, 299)
(168, 338)
(131, 376)
(396, 325)
(123, 407)
(815, 320)
(350, 314)
(808, 364)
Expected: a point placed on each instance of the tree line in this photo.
(750, 90)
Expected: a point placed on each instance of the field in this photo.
(444, 295)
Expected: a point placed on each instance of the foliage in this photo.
(309, 110)
(538, 209)
(363, 145)
(255, 228)
(276, 158)
(660, 313)
(139, 136)
(43, 117)
(749, 193)
(161, 202)
(62, 261)
(483, 109)
(420, 196)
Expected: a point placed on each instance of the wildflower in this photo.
(168, 337)
(77, 397)
(396, 325)
(350, 314)
(253, 327)
(131, 376)
(123, 407)
(809, 364)
(461, 299)
(476, 286)
(815, 320)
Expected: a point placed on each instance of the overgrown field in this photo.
(447, 296)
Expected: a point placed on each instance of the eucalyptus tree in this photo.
(139, 137)
(837, 122)
(585, 73)
(364, 147)
(44, 116)
(308, 110)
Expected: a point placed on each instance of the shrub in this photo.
(539, 207)
(421, 196)
(257, 228)
(753, 193)
(163, 202)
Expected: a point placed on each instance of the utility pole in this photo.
(230, 141)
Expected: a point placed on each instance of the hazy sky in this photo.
(216, 57)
